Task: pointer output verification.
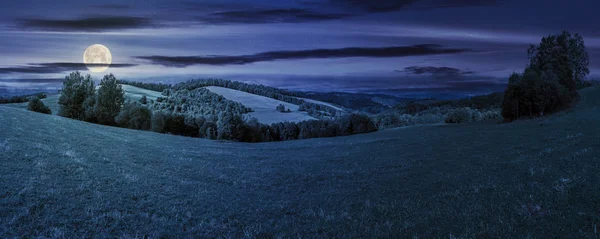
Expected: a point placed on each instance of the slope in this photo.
(536, 178)
(263, 107)
(131, 92)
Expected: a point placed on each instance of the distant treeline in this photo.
(148, 86)
(481, 102)
(21, 98)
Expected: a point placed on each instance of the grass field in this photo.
(528, 179)
(263, 107)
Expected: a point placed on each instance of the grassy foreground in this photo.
(535, 178)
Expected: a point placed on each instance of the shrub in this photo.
(134, 116)
(36, 105)
(461, 115)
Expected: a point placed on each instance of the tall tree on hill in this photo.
(565, 55)
(109, 101)
(75, 90)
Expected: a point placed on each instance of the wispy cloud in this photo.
(419, 70)
(397, 51)
(59, 67)
(379, 6)
(86, 24)
(288, 15)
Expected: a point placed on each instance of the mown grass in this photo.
(528, 179)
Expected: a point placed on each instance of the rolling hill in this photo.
(131, 92)
(263, 107)
(532, 178)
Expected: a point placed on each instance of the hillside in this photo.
(263, 107)
(131, 92)
(371, 103)
(533, 178)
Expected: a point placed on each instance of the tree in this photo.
(280, 108)
(557, 67)
(565, 55)
(144, 100)
(134, 116)
(75, 90)
(109, 100)
(230, 126)
(36, 105)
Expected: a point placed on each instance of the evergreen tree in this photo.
(75, 90)
(109, 100)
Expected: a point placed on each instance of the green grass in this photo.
(528, 179)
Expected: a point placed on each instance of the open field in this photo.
(135, 93)
(264, 107)
(529, 179)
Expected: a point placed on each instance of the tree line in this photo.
(148, 86)
(22, 98)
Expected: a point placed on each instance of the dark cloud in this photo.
(87, 24)
(374, 6)
(269, 16)
(399, 51)
(419, 70)
(45, 68)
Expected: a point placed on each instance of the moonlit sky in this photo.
(413, 48)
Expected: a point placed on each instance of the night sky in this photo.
(412, 48)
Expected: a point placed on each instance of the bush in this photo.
(134, 116)
(461, 115)
(36, 105)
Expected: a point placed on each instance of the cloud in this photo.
(376, 6)
(419, 70)
(288, 15)
(398, 51)
(44, 68)
(87, 24)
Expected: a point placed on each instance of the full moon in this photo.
(97, 54)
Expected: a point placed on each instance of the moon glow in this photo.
(97, 58)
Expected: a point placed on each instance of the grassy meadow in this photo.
(536, 178)
(263, 107)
